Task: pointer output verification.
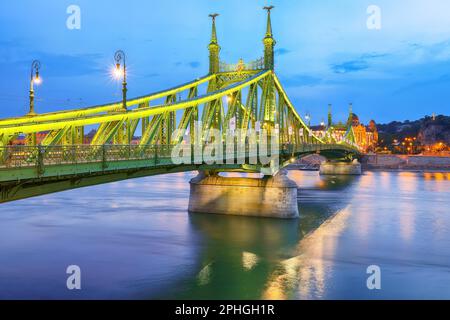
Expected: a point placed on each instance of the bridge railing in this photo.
(24, 156)
(41, 156)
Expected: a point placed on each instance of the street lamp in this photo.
(308, 118)
(34, 79)
(118, 72)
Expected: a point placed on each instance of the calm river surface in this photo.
(135, 239)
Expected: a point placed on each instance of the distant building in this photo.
(88, 137)
(21, 139)
(365, 136)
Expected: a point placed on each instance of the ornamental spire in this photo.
(214, 33)
(269, 42)
(269, 22)
(214, 47)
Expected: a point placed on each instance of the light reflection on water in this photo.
(134, 239)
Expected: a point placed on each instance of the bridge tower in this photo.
(269, 43)
(346, 166)
(330, 119)
(350, 115)
(214, 47)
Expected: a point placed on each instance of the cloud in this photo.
(300, 80)
(358, 64)
(61, 65)
(192, 64)
(350, 66)
(281, 51)
(373, 55)
(439, 51)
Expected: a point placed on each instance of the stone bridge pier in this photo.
(340, 168)
(270, 196)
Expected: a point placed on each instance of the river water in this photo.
(135, 240)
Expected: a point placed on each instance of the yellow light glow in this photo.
(37, 80)
(117, 72)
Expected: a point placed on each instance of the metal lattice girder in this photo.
(4, 139)
(253, 104)
(290, 106)
(267, 101)
(271, 109)
(234, 100)
(167, 125)
(350, 135)
(55, 136)
(106, 132)
(63, 161)
(208, 120)
(101, 109)
(210, 110)
(132, 114)
(187, 119)
(213, 112)
(225, 79)
(134, 123)
(184, 123)
(100, 133)
(150, 133)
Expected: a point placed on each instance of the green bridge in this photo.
(236, 118)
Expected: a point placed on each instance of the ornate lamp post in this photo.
(34, 79)
(118, 57)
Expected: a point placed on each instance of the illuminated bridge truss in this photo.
(227, 101)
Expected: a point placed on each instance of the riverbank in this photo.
(383, 162)
(405, 162)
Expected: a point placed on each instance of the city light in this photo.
(37, 80)
(117, 72)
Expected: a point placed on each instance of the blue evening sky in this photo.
(325, 52)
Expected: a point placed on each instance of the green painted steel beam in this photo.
(77, 113)
(131, 114)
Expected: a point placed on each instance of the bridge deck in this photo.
(24, 162)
